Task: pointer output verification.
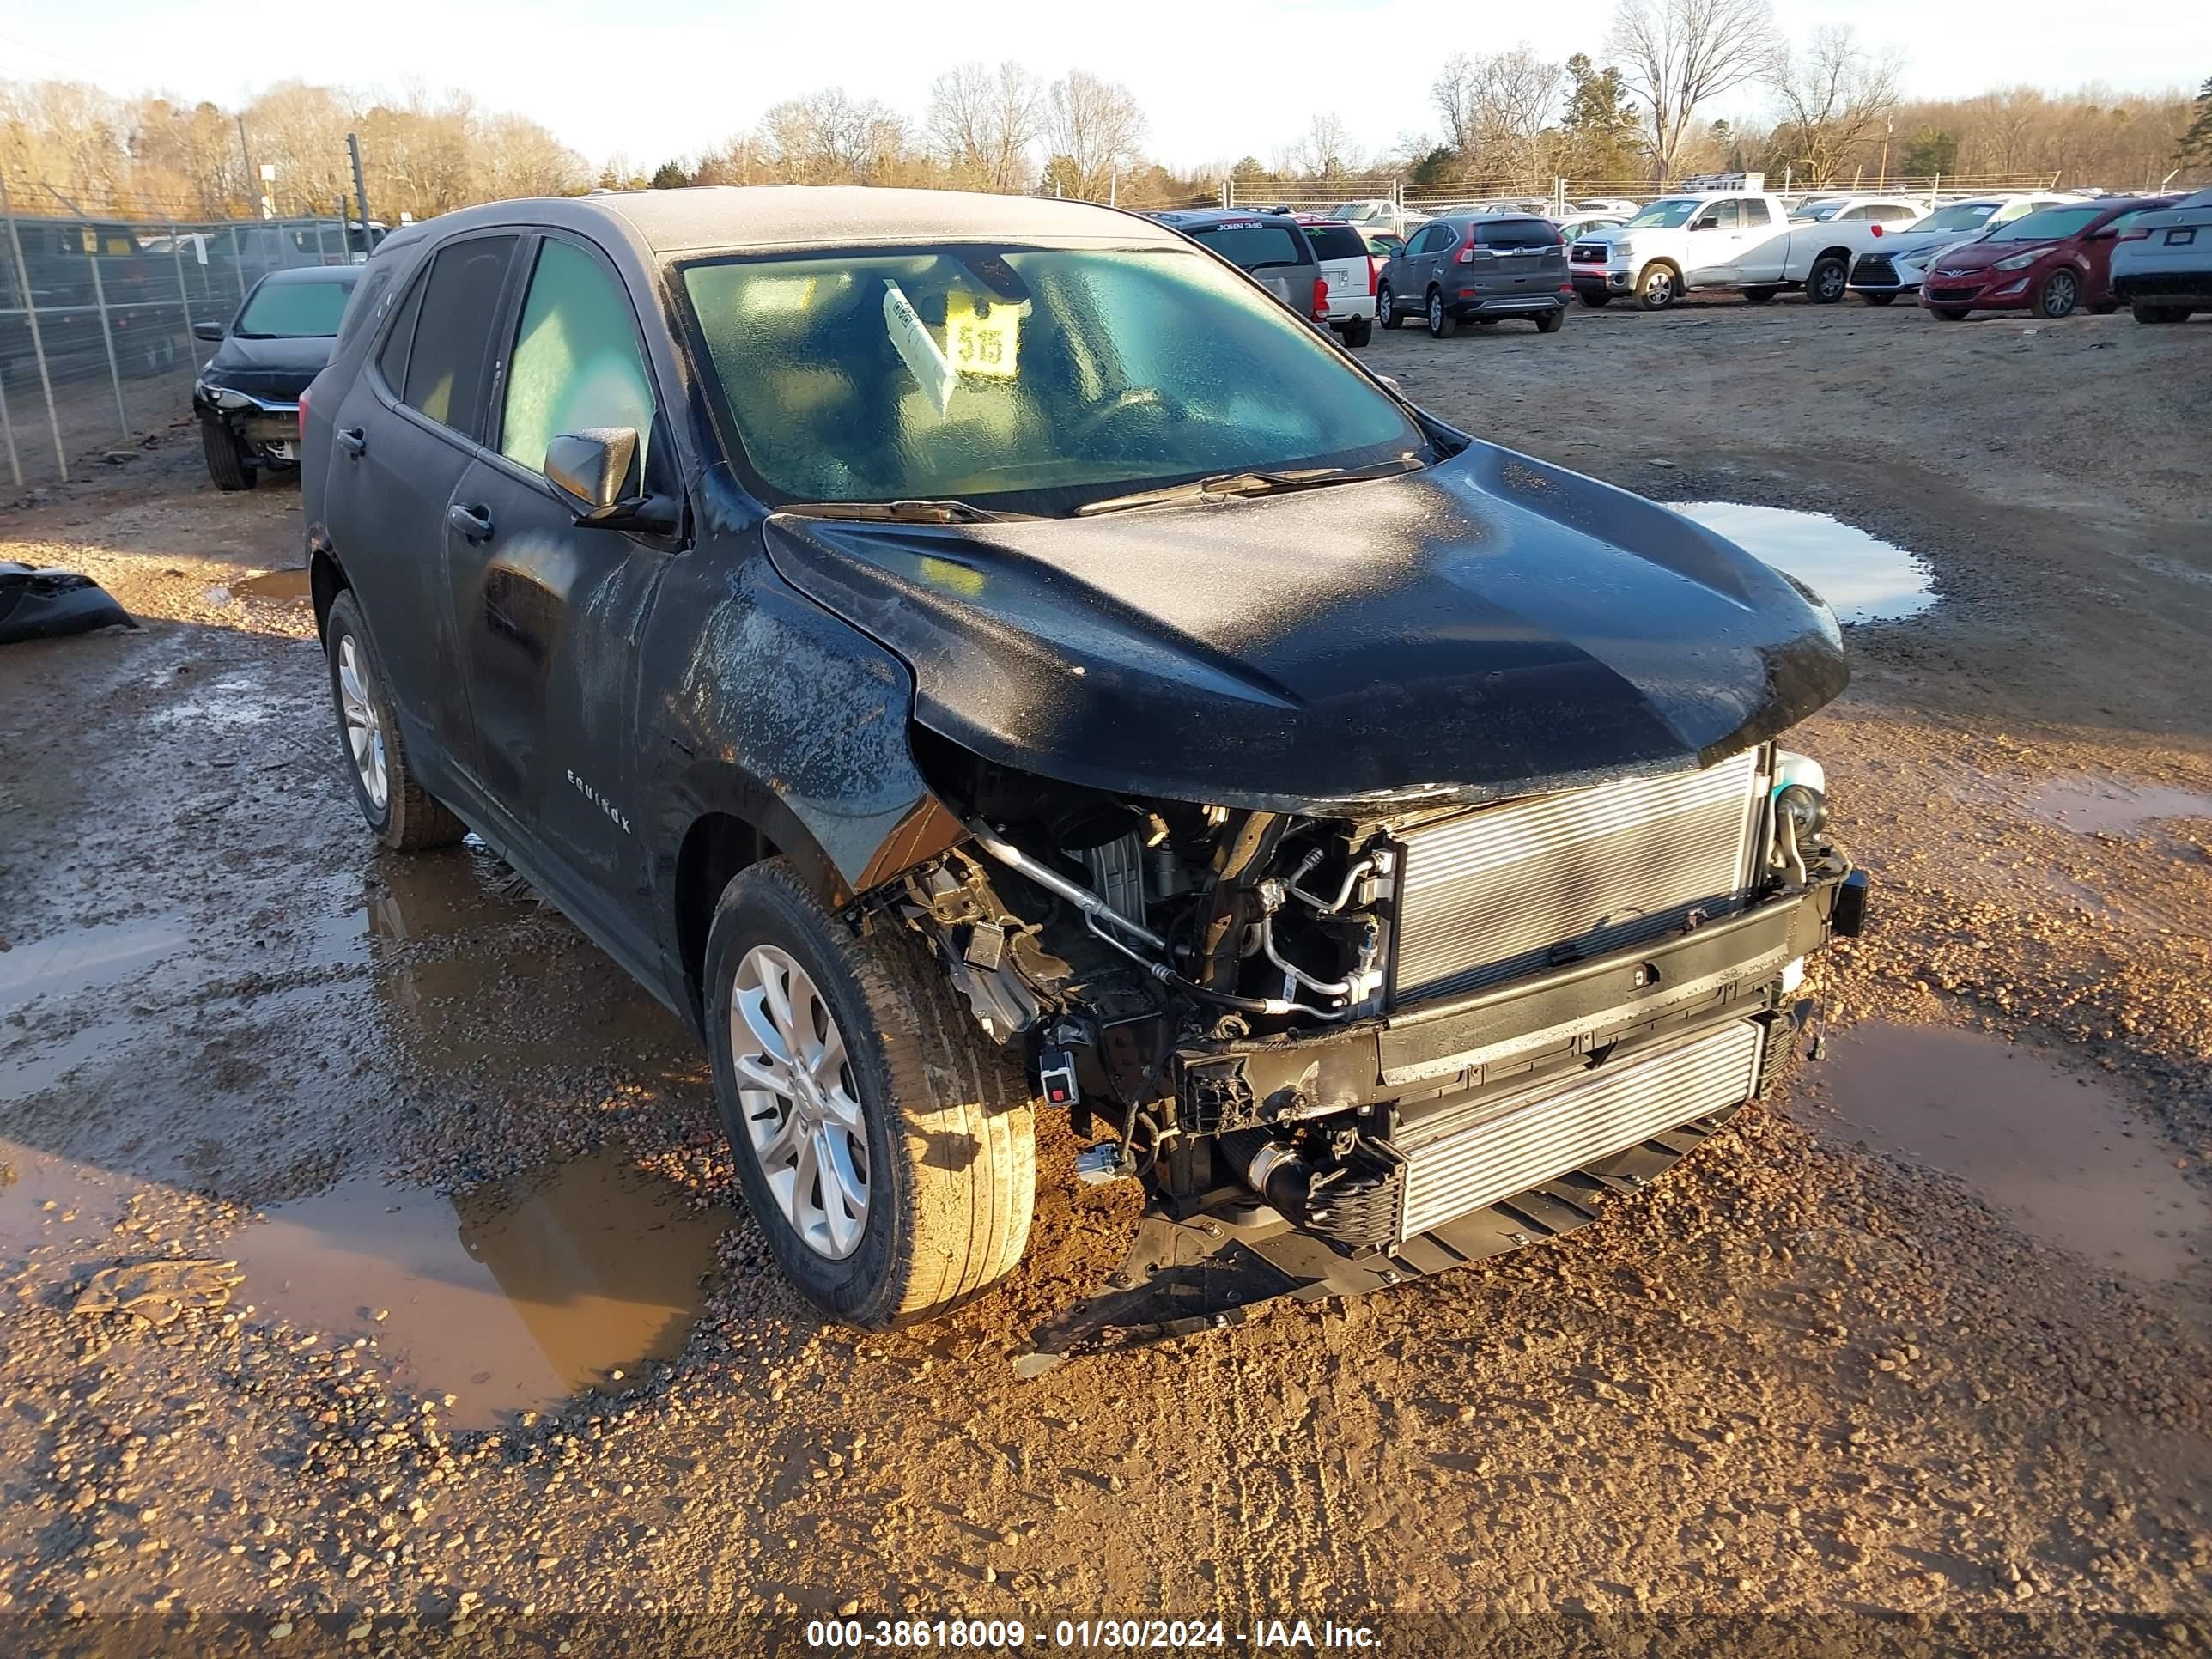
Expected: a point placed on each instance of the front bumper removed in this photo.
(1544, 1101)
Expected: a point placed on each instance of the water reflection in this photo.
(1861, 579)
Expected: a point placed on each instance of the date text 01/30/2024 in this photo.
(840, 1636)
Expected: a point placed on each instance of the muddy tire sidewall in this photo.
(924, 1184)
(411, 818)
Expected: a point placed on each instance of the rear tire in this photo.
(1441, 324)
(1656, 288)
(226, 456)
(1359, 333)
(1759, 296)
(399, 812)
(1386, 311)
(1879, 299)
(1826, 282)
(941, 1120)
(1551, 322)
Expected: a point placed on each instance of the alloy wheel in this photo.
(2060, 293)
(364, 727)
(1436, 314)
(800, 1101)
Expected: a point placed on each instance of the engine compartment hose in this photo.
(1270, 1168)
(1052, 881)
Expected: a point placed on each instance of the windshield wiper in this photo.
(907, 511)
(1220, 486)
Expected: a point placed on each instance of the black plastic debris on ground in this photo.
(45, 605)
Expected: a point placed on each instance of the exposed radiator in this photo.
(1500, 892)
(1534, 1136)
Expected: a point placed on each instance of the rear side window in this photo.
(1433, 239)
(1256, 246)
(391, 361)
(1517, 232)
(446, 364)
(1336, 242)
(1755, 213)
(576, 361)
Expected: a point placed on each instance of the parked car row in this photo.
(2065, 257)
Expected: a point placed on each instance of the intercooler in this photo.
(1540, 1133)
(1486, 896)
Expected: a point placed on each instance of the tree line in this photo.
(1641, 110)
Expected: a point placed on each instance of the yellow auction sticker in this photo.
(983, 339)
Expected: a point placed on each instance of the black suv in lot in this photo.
(980, 657)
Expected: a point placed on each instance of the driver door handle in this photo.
(353, 441)
(473, 522)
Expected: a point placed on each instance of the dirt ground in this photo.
(1918, 1360)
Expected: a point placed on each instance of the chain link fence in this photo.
(96, 318)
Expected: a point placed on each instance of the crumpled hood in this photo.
(267, 366)
(1488, 627)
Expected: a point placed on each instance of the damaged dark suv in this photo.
(983, 660)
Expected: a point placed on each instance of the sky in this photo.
(1218, 80)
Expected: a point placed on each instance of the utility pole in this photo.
(246, 156)
(360, 192)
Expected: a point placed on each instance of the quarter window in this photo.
(445, 365)
(1754, 213)
(576, 361)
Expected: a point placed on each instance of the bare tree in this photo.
(829, 137)
(1835, 95)
(1496, 106)
(1326, 151)
(1675, 56)
(1094, 127)
(982, 121)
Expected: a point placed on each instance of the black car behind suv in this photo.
(977, 656)
(247, 395)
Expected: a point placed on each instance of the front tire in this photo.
(399, 812)
(1759, 296)
(1949, 313)
(1596, 301)
(1656, 289)
(1386, 312)
(1879, 299)
(1441, 324)
(226, 456)
(2145, 313)
(888, 1151)
(2058, 294)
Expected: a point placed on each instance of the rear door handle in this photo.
(473, 522)
(353, 441)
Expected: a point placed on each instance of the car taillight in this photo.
(304, 391)
(2138, 236)
(1373, 273)
(1467, 248)
(1877, 230)
(1319, 298)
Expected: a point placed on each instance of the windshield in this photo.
(1027, 379)
(1814, 212)
(293, 311)
(1669, 214)
(1960, 216)
(2051, 225)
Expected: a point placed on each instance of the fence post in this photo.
(107, 336)
(31, 315)
(7, 432)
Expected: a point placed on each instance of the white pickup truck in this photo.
(1730, 238)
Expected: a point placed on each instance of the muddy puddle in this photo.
(2092, 806)
(86, 958)
(513, 1296)
(2061, 1154)
(277, 588)
(1863, 580)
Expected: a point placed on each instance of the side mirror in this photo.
(213, 332)
(595, 474)
(592, 470)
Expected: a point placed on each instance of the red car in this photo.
(2053, 262)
